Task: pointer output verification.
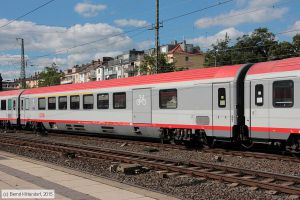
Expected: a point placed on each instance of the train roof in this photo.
(11, 93)
(189, 75)
(290, 64)
(285, 65)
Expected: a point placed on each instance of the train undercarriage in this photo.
(190, 137)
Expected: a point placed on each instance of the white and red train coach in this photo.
(236, 103)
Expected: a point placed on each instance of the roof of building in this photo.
(178, 49)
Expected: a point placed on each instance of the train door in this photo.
(284, 109)
(221, 110)
(12, 105)
(22, 109)
(259, 109)
(141, 106)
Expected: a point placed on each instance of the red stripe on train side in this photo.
(8, 119)
(190, 126)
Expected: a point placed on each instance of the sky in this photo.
(72, 32)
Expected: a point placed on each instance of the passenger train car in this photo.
(241, 103)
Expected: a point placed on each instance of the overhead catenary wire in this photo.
(135, 29)
(27, 13)
(11, 63)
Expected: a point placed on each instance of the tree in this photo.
(50, 76)
(282, 50)
(296, 43)
(219, 54)
(148, 65)
(259, 46)
(255, 47)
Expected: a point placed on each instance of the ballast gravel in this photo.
(267, 165)
(182, 188)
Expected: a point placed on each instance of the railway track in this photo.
(229, 151)
(289, 157)
(270, 181)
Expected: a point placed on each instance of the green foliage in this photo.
(148, 65)
(259, 46)
(296, 43)
(219, 53)
(50, 76)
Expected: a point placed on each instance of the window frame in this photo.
(292, 98)
(42, 98)
(72, 108)
(160, 99)
(84, 104)
(114, 100)
(49, 107)
(256, 96)
(98, 102)
(59, 103)
(219, 97)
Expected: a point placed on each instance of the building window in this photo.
(283, 94)
(3, 104)
(168, 99)
(222, 97)
(63, 103)
(75, 102)
(9, 104)
(51, 103)
(103, 101)
(42, 103)
(88, 101)
(259, 95)
(186, 58)
(119, 100)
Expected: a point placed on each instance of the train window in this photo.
(42, 103)
(222, 97)
(168, 99)
(119, 100)
(9, 104)
(22, 104)
(88, 101)
(283, 94)
(259, 95)
(62, 103)
(51, 103)
(14, 104)
(75, 102)
(103, 101)
(26, 104)
(3, 104)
